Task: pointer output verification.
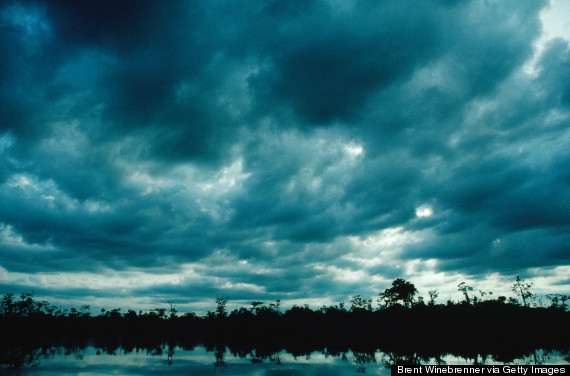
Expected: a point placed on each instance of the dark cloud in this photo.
(326, 66)
(265, 150)
(329, 65)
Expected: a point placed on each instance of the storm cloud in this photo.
(302, 150)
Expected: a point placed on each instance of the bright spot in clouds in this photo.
(424, 211)
(354, 150)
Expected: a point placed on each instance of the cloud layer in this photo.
(300, 150)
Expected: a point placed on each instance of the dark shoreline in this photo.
(411, 330)
(463, 329)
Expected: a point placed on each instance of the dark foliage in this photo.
(499, 326)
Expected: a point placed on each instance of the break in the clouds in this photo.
(300, 150)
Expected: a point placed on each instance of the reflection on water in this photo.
(95, 359)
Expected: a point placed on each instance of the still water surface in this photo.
(199, 361)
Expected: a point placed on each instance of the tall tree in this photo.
(400, 291)
(523, 289)
(221, 302)
(465, 290)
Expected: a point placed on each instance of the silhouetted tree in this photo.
(116, 313)
(26, 305)
(523, 290)
(513, 301)
(158, 312)
(483, 294)
(465, 289)
(268, 311)
(256, 306)
(8, 307)
(358, 303)
(558, 301)
(221, 302)
(172, 310)
(502, 299)
(400, 291)
(85, 310)
(130, 315)
(74, 313)
(433, 294)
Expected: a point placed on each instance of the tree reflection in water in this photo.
(220, 363)
(25, 356)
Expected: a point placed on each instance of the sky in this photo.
(303, 150)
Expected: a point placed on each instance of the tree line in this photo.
(400, 293)
(402, 318)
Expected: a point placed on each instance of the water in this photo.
(175, 360)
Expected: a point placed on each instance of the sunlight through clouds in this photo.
(424, 211)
